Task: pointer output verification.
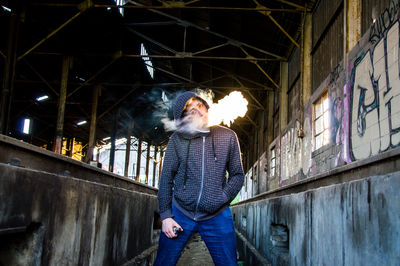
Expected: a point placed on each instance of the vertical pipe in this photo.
(345, 35)
(307, 59)
(61, 103)
(92, 134)
(284, 88)
(147, 162)
(128, 150)
(113, 137)
(9, 73)
(155, 165)
(139, 155)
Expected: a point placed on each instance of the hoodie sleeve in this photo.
(235, 170)
(169, 170)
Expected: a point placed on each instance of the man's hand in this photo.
(168, 225)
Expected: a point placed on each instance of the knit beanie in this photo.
(180, 103)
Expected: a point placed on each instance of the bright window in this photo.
(321, 121)
(120, 3)
(147, 60)
(27, 125)
(272, 164)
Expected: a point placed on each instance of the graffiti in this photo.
(336, 120)
(307, 144)
(384, 21)
(375, 112)
(291, 154)
(334, 75)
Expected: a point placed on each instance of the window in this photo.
(27, 126)
(147, 60)
(272, 165)
(321, 121)
(120, 3)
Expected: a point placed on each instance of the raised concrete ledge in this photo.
(77, 222)
(40, 159)
(383, 163)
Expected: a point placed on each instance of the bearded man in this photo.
(202, 173)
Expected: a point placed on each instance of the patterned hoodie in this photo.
(194, 175)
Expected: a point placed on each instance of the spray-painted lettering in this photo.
(291, 153)
(384, 21)
(375, 118)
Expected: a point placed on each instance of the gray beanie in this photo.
(181, 100)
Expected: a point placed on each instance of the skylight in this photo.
(120, 3)
(42, 98)
(6, 8)
(147, 60)
(27, 126)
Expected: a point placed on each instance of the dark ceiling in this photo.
(220, 45)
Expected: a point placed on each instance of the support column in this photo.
(284, 88)
(155, 165)
(139, 155)
(92, 134)
(128, 150)
(147, 162)
(113, 137)
(61, 104)
(353, 23)
(9, 73)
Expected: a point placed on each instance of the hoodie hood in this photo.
(181, 101)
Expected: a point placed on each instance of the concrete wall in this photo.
(364, 111)
(355, 223)
(70, 218)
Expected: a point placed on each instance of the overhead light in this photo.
(42, 98)
(27, 125)
(81, 123)
(6, 8)
(107, 138)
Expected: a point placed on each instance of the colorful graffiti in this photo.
(375, 112)
(384, 21)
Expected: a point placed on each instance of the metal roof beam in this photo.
(83, 7)
(116, 57)
(210, 32)
(268, 14)
(134, 87)
(262, 70)
(41, 78)
(178, 5)
(153, 41)
(235, 75)
(298, 7)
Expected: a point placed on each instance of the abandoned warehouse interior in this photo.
(87, 89)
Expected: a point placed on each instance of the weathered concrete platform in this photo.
(195, 253)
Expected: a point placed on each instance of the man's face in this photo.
(197, 112)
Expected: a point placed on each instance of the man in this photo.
(195, 191)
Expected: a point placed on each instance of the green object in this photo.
(236, 199)
(240, 263)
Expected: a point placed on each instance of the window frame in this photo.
(321, 121)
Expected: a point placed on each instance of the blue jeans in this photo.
(218, 233)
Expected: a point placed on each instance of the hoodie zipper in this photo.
(202, 178)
